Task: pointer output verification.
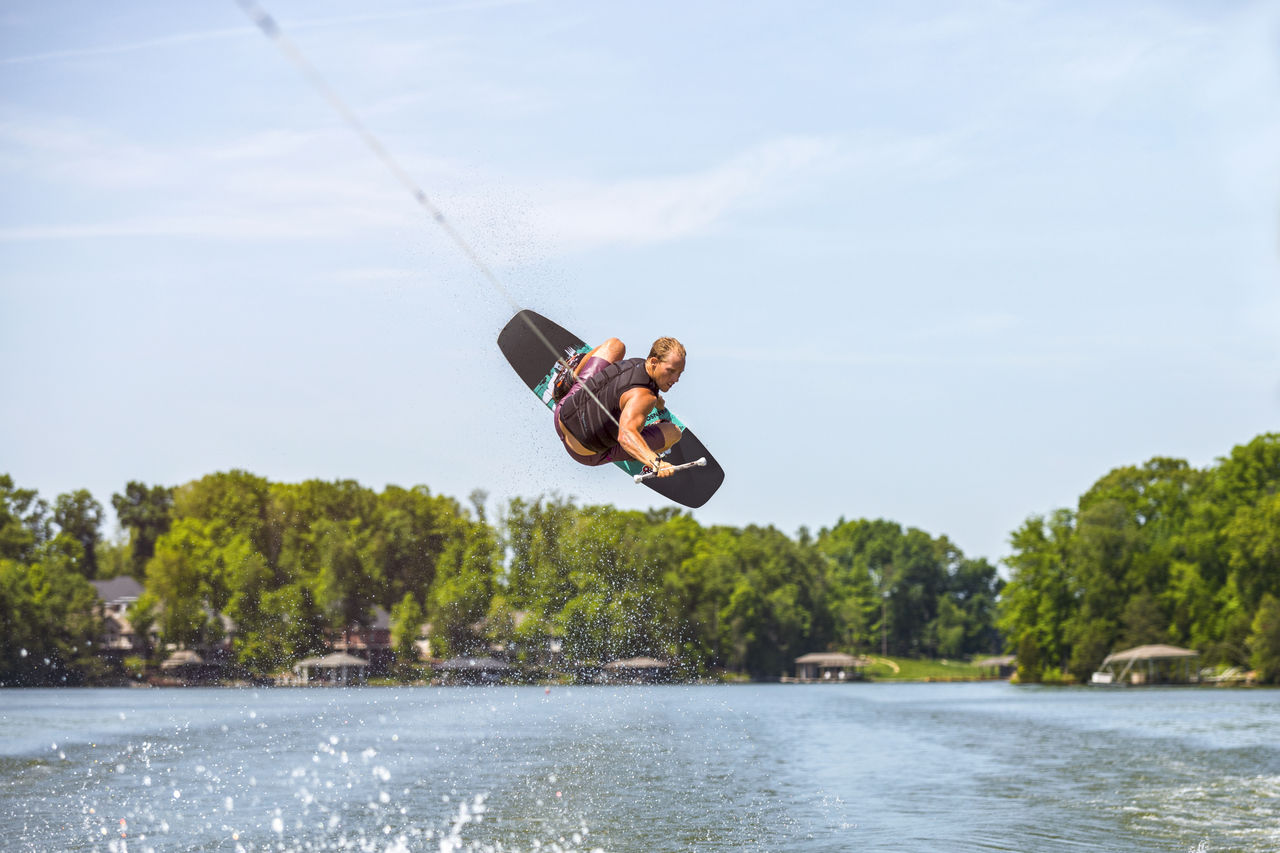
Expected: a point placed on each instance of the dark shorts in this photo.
(652, 434)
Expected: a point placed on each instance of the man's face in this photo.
(667, 372)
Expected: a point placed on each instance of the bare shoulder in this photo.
(638, 400)
(638, 395)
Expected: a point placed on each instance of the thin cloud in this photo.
(289, 185)
(576, 215)
(247, 29)
(126, 47)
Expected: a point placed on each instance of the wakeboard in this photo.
(536, 363)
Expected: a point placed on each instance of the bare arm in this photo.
(636, 405)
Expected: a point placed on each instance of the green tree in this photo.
(79, 516)
(237, 500)
(697, 588)
(771, 611)
(342, 587)
(146, 512)
(288, 625)
(188, 576)
(24, 521)
(1142, 622)
(1264, 642)
(1252, 548)
(1189, 601)
(974, 587)
(408, 532)
(406, 623)
(47, 613)
(949, 629)
(459, 599)
(859, 580)
(1038, 602)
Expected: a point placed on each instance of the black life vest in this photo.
(580, 415)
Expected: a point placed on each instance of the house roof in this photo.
(1156, 652)
(332, 661)
(1001, 660)
(637, 663)
(831, 659)
(473, 663)
(121, 589)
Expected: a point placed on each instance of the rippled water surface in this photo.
(913, 767)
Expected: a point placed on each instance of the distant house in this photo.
(828, 667)
(118, 638)
(372, 642)
(117, 595)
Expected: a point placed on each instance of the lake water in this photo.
(894, 767)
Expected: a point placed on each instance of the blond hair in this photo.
(664, 347)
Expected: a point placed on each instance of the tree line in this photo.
(1160, 552)
(1156, 553)
(293, 564)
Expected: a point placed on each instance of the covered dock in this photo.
(1000, 666)
(1156, 664)
(827, 668)
(338, 668)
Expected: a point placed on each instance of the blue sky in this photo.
(945, 264)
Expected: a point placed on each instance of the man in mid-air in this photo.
(626, 389)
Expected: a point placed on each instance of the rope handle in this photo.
(648, 475)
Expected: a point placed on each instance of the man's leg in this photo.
(595, 360)
(611, 351)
